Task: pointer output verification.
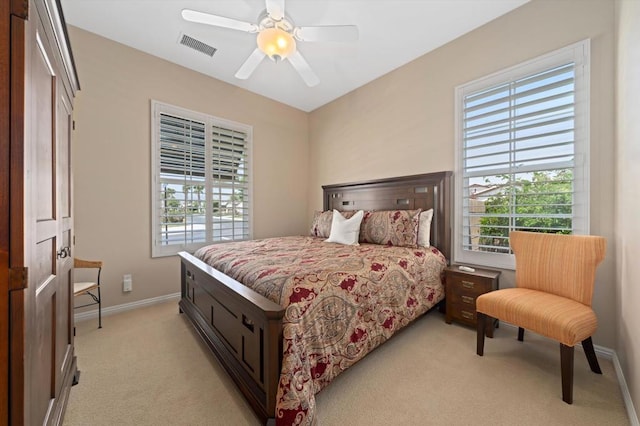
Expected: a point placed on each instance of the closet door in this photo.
(64, 299)
(46, 246)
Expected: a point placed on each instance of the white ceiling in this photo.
(392, 33)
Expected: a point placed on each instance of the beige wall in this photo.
(403, 122)
(399, 124)
(111, 153)
(628, 193)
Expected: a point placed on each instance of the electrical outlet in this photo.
(127, 283)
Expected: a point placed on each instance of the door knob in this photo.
(64, 252)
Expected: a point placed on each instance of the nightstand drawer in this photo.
(463, 298)
(469, 284)
(464, 313)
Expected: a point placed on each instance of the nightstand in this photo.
(462, 289)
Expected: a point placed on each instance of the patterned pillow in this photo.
(391, 227)
(321, 224)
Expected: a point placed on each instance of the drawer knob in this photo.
(468, 299)
(468, 284)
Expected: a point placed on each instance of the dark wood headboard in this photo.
(431, 190)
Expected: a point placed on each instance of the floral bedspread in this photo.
(341, 302)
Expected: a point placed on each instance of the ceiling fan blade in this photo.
(327, 33)
(275, 9)
(217, 21)
(303, 68)
(250, 64)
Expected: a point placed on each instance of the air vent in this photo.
(197, 45)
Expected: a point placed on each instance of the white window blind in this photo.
(201, 180)
(521, 155)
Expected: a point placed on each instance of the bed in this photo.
(278, 356)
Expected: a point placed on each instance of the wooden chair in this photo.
(555, 275)
(89, 288)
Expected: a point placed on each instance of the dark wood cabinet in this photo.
(37, 87)
(462, 289)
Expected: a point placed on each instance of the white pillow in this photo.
(424, 228)
(345, 231)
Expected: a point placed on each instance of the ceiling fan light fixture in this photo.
(277, 44)
(276, 38)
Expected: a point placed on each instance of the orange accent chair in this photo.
(555, 275)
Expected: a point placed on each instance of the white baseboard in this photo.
(628, 402)
(83, 316)
(626, 396)
(610, 354)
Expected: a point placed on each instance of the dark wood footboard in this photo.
(242, 328)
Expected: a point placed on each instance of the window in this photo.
(522, 143)
(201, 180)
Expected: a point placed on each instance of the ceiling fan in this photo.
(277, 36)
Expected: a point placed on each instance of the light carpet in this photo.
(149, 367)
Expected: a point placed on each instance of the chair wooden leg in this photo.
(489, 324)
(587, 345)
(481, 321)
(566, 370)
(520, 334)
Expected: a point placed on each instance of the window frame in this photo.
(579, 53)
(158, 108)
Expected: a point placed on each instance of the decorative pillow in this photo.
(321, 224)
(424, 229)
(391, 227)
(343, 230)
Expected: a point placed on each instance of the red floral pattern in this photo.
(390, 227)
(341, 302)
